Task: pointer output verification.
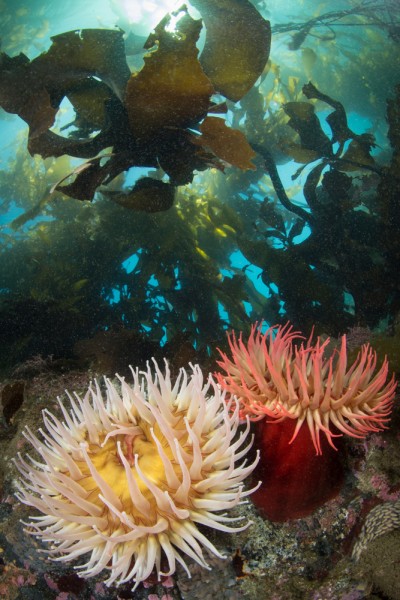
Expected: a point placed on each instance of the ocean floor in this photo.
(308, 558)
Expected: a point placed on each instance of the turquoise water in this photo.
(179, 253)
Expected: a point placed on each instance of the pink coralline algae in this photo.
(381, 485)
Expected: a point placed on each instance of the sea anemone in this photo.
(130, 472)
(298, 393)
(274, 378)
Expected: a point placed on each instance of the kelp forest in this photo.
(232, 164)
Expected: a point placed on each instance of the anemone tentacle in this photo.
(276, 375)
(128, 473)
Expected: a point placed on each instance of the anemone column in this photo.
(295, 479)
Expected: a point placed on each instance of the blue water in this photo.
(361, 76)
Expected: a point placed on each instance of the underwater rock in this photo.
(379, 563)
(12, 398)
(113, 350)
(382, 519)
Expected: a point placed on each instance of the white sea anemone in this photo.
(128, 474)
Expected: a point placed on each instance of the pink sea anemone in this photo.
(295, 393)
(276, 376)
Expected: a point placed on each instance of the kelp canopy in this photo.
(161, 212)
(150, 118)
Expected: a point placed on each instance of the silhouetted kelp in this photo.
(379, 14)
(63, 281)
(351, 245)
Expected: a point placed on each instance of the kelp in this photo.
(315, 144)
(64, 282)
(237, 45)
(228, 144)
(171, 90)
(21, 94)
(345, 271)
(89, 99)
(149, 195)
(366, 12)
(34, 89)
(305, 122)
(153, 264)
(147, 118)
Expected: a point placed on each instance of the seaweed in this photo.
(379, 14)
(72, 285)
(149, 266)
(148, 118)
(350, 250)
